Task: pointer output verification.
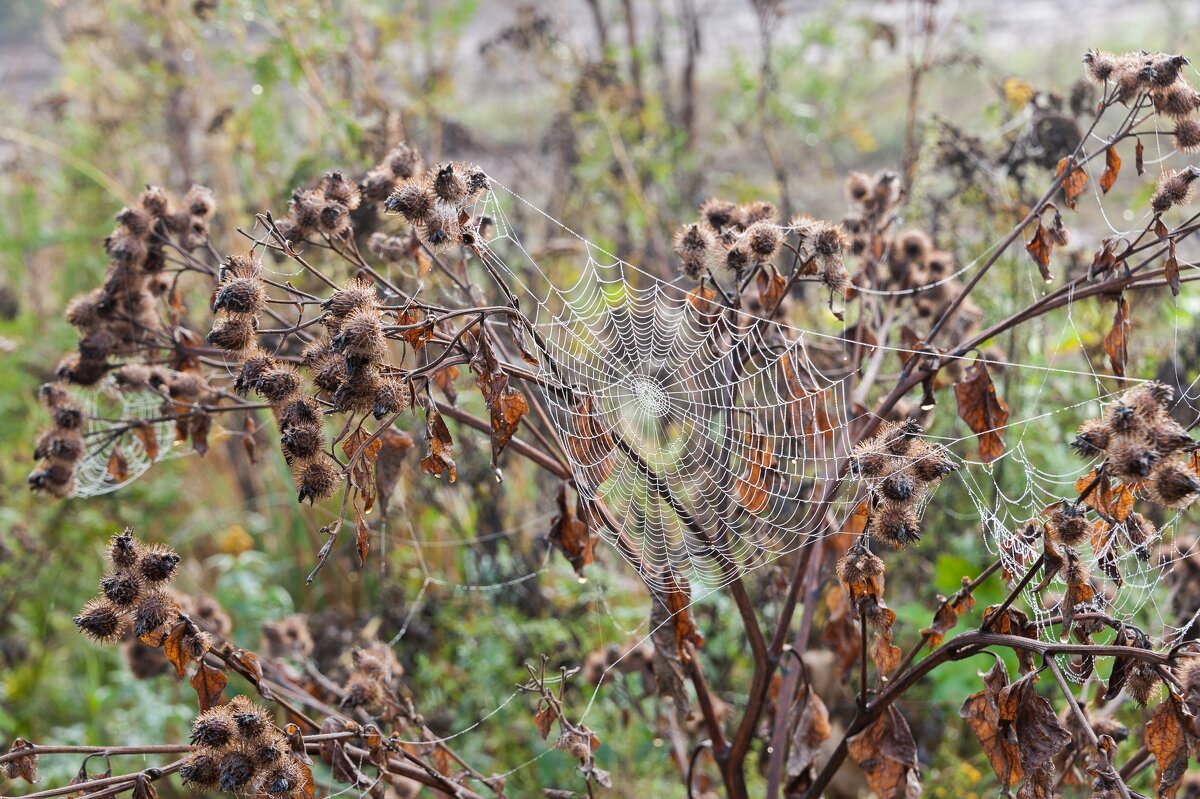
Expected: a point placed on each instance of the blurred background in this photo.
(617, 117)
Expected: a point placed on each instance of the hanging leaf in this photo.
(445, 379)
(673, 592)
(888, 755)
(810, 729)
(544, 719)
(439, 460)
(148, 436)
(1079, 589)
(1116, 343)
(1039, 248)
(199, 425)
(517, 330)
(1117, 503)
(417, 332)
(118, 466)
(981, 711)
(770, 288)
(1170, 738)
(589, 445)
(841, 631)
(948, 613)
(360, 448)
(22, 766)
(209, 683)
(1171, 269)
(1112, 168)
(362, 536)
(143, 788)
(750, 489)
(983, 410)
(1138, 160)
(1039, 735)
(249, 442)
(1074, 183)
(571, 535)
(394, 445)
(703, 301)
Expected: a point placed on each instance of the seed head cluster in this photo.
(1143, 446)
(435, 203)
(369, 684)
(899, 469)
(239, 750)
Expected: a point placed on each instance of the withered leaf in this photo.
(1116, 343)
(571, 535)
(1075, 181)
(517, 330)
(1117, 503)
(362, 537)
(118, 466)
(1170, 738)
(703, 301)
(672, 590)
(209, 683)
(1031, 718)
(810, 729)
(1079, 589)
(418, 332)
(984, 411)
(750, 488)
(544, 719)
(445, 379)
(334, 753)
(948, 613)
(1139, 162)
(22, 767)
(1171, 268)
(442, 761)
(888, 755)
(770, 288)
(394, 445)
(249, 442)
(1039, 248)
(143, 788)
(247, 664)
(841, 631)
(440, 458)
(589, 444)
(981, 711)
(360, 448)
(173, 647)
(1112, 168)
(148, 436)
(884, 654)
(199, 425)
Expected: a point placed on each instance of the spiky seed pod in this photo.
(834, 277)
(1173, 486)
(253, 722)
(758, 211)
(334, 219)
(73, 369)
(1157, 392)
(245, 266)
(133, 376)
(154, 609)
(1141, 682)
(63, 445)
(340, 190)
(477, 182)
(1187, 135)
(305, 212)
(122, 588)
(940, 264)
(283, 780)
(1130, 459)
(240, 295)
(932, 466)
(124, 551)
(1177, 101)
(1099, 66)
(392, 397)
(271, 751)
(448, 184)
(252, 371)
(317, 480)
(158, 564)
(199, 201)
(186, 385)
(828, 240)
(859, 565)
(1170, 437)
(391, 249)
(195, 234)
(200, 771)
(858, 186)
(302, 442)
(1140, 531)
(361, 336)
(57, 478)
(125, 248)
(738, 259)
(1174, 188)
(897, 438)
(234, 333)
(764, 239)
(1122, 417)
(413, 201)
(1131, 75)
(357, 293)
(196, 643)
(101, 621)
(357, 392)
(404, 161)
(1167, 69)
(137, 221)
(1068, 524)
(694, 244)
(377, 185)
(364, 691)
(719, 214)
(302, 410)
(156, 258)
(440, 229)
(898, 487)
(914, 245)
(316, 353)
(1092, 438)
(214, 727)
(328, 376)
(237, 770)
(279, 383)
(155, 200)
(896, 523)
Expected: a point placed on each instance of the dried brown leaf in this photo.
(984, 411)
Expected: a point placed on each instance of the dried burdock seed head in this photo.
(404, 161)
(124, 551)
(897, 438)
(364, 691)
(1122, 417)
(305, 212)
(1167, 69)
(1132, 74)
(1178, 100)
(1092, 438)
(154, 609)
(101, 621)
(357, 392)
(156, 258)
(834, 277)
(316, 353)
(896, 523)
(1142, 682)
(234, 333)
(155, 200)
(334, 219)
(53, 395)
(693, 244)
(186, 385)
(869, 461)
(237, 770)
(378, 659)
(719, 214)
(301, 442)
(828, 240)
(1170, 437)
(214, 727)
(240, 295)
(56, 477)
(477, 182)
(122, 588)
(253, 722)
(898, 487)
(392, 249)
(284, 779)
(1187, 135)
(914, 245)
(200, 771)
(252, 371)
(440, 229)
(930, 467)
(62, 445)
(317, 480)
(758, 211)
(738, 258)
(330, 374)
(1130, 459)
(392, 397)
(357, 293)
(377, 185)
(1174, 188)
(125, 248)
(199, 201)
(413, 201)
(1099, 65)
(1068, 524)
(340, 190)
(280, 382)
(764, 239)
(448, 184)
(859, 565)
(137, 221)
(158, 564)
(1173, 486)
(74, 369)
(133, 376)
(858, 186)
(270, 751)
(302, 410)
(361, 336)
(247, 265)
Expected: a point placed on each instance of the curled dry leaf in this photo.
(1031, 719)
(418, 332)
(1112, 168)
(888, 755)
(1039, 248)
(1171, 268)
(810, 729)
(589, 445)
(571, 535)
(1115, 502)
(750, 489)
(394, 445)
(1075, 181)
(770, 288)
(981, 711)
(22, 767)
(982, 409)
(440, 458)
(209, 683)
(703, 301)
(948, 613)
(1116, 342)
(1171, 739)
